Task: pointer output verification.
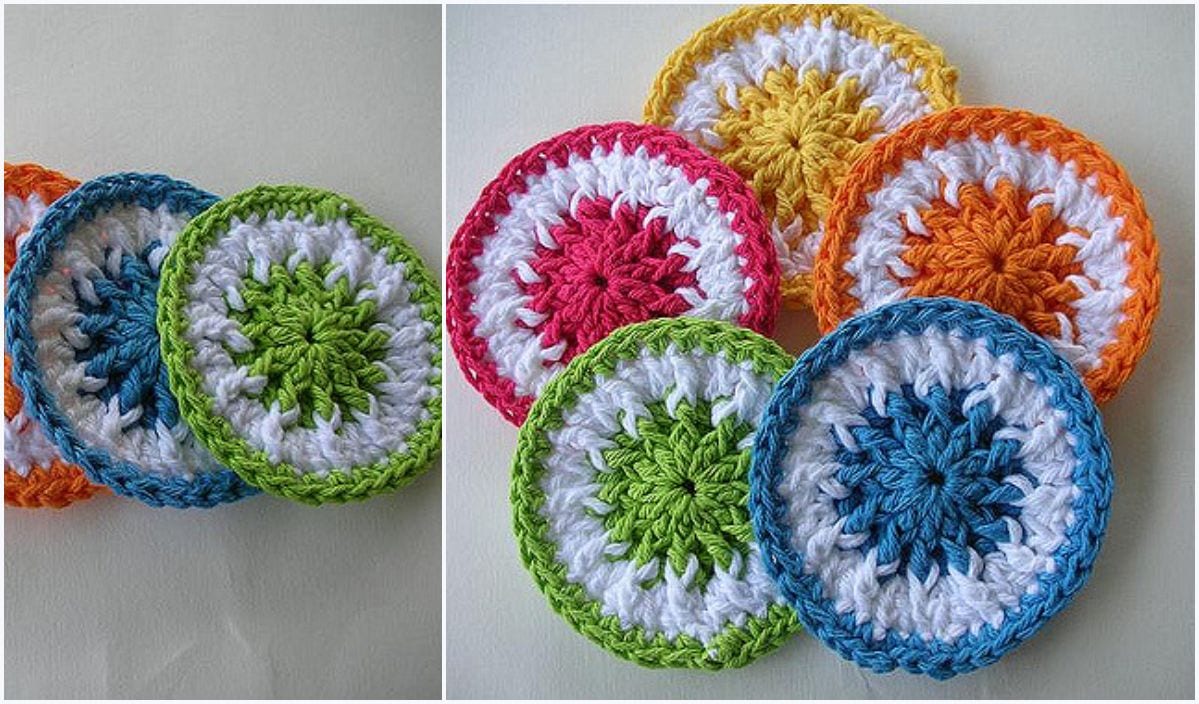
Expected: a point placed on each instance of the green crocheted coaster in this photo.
(630, 492)
(302, 338)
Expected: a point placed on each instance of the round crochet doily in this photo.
(1005, 208)
(303, 340)
(81, 331)
(930, 484)
(789, 96)
(629, 494)
(34, 473)
(597, 228)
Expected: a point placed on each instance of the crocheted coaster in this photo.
(930, 484)
(593, 229)
(34, 474)
(303, 340)
(1005, 208)
(629, 494)
(789, 96)
(80, 323)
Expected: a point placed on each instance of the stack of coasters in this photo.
(931, 482)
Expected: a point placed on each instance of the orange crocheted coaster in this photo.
(34, 475)
(1006, 208)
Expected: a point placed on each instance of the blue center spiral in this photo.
(926, 484)
(124, 340)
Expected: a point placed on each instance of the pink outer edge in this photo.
(731, 192)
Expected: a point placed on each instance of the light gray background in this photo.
(263, 598)
(1122, 75)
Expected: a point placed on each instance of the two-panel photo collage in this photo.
(599, 352)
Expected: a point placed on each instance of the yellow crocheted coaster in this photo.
(789, 96)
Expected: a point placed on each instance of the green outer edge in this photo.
(214, 431)
(735, 646)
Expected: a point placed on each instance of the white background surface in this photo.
(263, 598)
(1122, 75)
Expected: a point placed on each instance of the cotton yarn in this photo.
(789, 96)
(590, 230)
(1006, 208)
(930, 484)
(629, 493)
(34, 473)
(303, 340)
(80, 317)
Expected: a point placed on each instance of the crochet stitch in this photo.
(930, 484)
(302, 339)
(1009, 209)
(629, 494)
(34, 474)
(596, 228)
(81, 332)
(789, 96)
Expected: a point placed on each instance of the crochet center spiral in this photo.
(117, 318)
(677, 489)
(611, 263)
(942, 493)
(316, 347)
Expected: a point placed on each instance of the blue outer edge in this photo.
(1074, 559)
(34, 260)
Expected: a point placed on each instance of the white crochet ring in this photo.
(25, 445)
(302, 338)
(630, 488)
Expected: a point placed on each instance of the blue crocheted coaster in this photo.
(80, 324)
(930, 484)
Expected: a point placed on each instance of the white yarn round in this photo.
(397, 405)
(704, 232)
(20, 214)
(875, 254)
(93, 249)
(945, 606)
(885, 80)
(25, 445)
(672, 606)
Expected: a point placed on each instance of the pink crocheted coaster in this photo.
(593, 229)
